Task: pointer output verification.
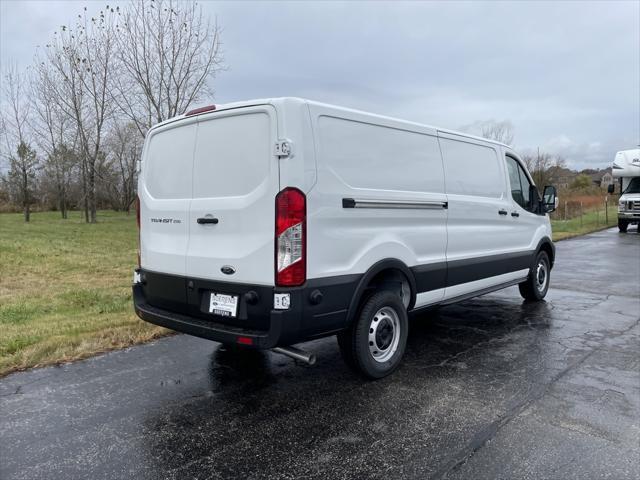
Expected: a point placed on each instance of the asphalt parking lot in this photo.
(490, 388)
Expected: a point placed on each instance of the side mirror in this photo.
(549, 198)
(611, 188)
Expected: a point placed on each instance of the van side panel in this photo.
(480, 226)
(294, 124)
(398, 167)
(475, 185)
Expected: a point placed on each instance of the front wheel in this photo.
(375, 344)
(537, 283)
(622, 226)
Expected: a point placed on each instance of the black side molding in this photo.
(394, 204)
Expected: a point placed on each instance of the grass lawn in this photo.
(590, 222)
(65, 288)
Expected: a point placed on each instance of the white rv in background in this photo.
(626, 167)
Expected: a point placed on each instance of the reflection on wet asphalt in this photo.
(490, 388)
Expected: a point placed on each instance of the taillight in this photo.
(290, 241)
(138, 224)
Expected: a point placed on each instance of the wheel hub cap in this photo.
(541, 276)
(384, 334)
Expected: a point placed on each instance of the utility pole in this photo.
(539, 172)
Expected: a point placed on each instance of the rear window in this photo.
(221, 157)
(168, 162)
(232, 155)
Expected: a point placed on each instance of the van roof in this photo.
(279, 101)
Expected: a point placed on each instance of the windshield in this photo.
(633, 187)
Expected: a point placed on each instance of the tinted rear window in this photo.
(232, 155)
(168, 162)
(220, 157)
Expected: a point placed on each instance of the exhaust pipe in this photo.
(296, 354)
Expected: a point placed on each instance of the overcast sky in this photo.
(567, 75)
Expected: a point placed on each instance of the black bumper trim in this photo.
(206, 328)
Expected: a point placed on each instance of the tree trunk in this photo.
(25, 196)
(63, 202)
(85, 193)
(92, 195)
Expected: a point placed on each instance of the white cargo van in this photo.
(268, 223)
(626, 168)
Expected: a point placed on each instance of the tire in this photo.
(375, 343)
(535, 287)
(622, 226)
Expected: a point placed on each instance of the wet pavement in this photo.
(490, 388)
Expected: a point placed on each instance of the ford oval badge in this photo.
(228, 270)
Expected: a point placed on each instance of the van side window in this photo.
(520, 184)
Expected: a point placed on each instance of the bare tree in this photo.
(124, 147)
(169, 51)
(106, 78)
(543, 167)
(56, 136)
(79, 65)
(60, 166)
(21, 158)
(500, 131)
(493, 130)
(555, 171)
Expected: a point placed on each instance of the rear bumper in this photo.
(179, 303)
(209, 329)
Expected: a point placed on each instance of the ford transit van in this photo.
(268, 223)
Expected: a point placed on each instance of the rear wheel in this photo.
(622, 226)
(537, 283)
(375, 344)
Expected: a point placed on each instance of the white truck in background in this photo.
(626, 167)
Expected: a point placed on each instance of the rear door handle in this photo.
(502, 212)
(205, 220)
(515, 214)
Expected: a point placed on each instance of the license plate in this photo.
(224, 305)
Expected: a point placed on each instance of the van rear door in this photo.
(235, 181)
(165, 195)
